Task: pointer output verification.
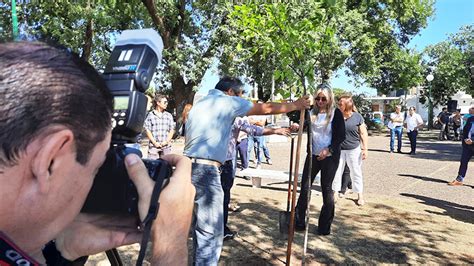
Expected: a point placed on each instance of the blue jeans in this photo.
(261, 145)
(396, 131)
(250, 144)
(242, 149)
(208, 224)
(465, 157)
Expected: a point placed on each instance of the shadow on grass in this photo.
(456, 211)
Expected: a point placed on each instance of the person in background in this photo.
(159, 126)
(346, 182)
(354, 148)
(259, 142)
(396, 129)
(443, 119)
(413, 122)
(184, 118)
(467, 150)
(327, 125)
(51, 148)
(241, 124)
(457, 122)
(142, 138)
(208, 131)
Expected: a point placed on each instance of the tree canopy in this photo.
(287, 43)
(367, 37)
(450, 62)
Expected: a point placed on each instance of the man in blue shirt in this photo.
(467, 149)
(208, 130)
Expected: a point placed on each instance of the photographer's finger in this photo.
(182, 173)
(144, 184)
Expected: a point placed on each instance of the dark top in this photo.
(444, 117)
(338, 133)
(352, 124)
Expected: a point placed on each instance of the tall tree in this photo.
(190, 32)
(191, 36)
(368, 37)
(451, 63)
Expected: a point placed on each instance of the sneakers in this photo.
(258, 166)
(228, 234)
(269, 161)
(234, 207)
(455, 182)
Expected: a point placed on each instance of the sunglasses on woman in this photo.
(322, 99)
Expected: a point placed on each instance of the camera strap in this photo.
(146, 224)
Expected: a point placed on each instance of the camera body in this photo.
(128, 74)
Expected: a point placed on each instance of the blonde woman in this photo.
(327, 125)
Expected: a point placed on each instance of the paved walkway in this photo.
(423, 176)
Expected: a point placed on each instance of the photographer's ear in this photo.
(54, 151)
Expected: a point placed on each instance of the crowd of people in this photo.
(55, 136)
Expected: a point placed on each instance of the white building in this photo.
(380, 103)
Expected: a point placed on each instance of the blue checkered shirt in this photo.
(159, 125)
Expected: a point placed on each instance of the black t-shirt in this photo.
(352, 140)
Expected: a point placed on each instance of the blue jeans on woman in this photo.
(208, 223)
(396, 131)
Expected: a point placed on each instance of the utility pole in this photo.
(14, 21)
(430, 78)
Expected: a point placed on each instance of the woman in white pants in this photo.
(353, 149)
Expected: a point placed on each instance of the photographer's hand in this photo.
(171, 227)
(93, 233)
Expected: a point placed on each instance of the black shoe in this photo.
(399, 151)
(247, 178)
(300, 224)
(412, 153)
(324, 233)
(228, 234)
(299, 227)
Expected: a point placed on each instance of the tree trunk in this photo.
(182, 94)
(87, 48)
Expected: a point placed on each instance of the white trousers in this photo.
(353, 158)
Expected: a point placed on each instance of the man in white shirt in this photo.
(413, 122)
(396, 128)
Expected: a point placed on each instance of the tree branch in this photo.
(181, 5)
(158, 21)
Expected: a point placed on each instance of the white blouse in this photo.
(322, 133)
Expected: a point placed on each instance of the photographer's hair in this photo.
(42, 87)
(328, 93)
(227, 83)
(158, 97)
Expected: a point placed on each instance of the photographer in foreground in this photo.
(55, 129)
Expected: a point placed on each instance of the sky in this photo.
(449, 17)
